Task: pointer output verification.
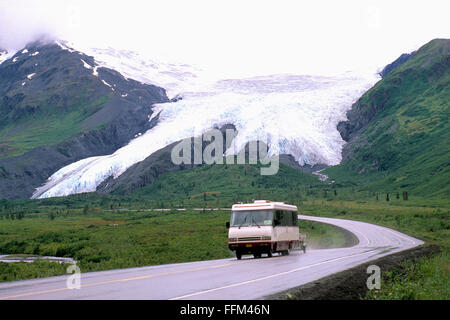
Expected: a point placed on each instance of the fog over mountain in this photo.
(235, 38)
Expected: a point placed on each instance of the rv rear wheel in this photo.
(257, 255)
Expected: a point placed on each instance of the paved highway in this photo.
(225, 278)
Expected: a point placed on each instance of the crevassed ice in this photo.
(301, 112)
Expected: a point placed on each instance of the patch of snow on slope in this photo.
(5, 55)
(64, 46)
(107, 84)
(85, 64)
(94, 71)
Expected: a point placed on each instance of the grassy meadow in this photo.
(109, 232)
(102, 239)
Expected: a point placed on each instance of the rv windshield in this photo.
(251, 218)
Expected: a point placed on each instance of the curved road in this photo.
(225, 278)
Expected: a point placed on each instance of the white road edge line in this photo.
(271, 276)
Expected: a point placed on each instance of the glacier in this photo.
(298, 113)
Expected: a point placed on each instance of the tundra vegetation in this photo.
(106, 232)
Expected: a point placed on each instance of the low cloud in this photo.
(233, 37)
(24, 21)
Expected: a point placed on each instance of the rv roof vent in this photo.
(261, 201)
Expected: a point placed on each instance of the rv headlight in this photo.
(266, 238)
(232, 239)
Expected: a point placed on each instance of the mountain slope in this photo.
(396, 63)
(49, 94)
(222, 185)
(398, 132)
(57, 106)
(154, 169)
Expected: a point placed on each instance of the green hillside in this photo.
(398, 132)
(223, 185)
(43, 103)
(46, 127)
(49, 97)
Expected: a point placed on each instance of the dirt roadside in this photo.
(351, 284)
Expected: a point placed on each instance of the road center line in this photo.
(120, 280)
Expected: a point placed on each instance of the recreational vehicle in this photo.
(264, 227)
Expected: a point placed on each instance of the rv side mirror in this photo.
(227, 225)
(276, 222)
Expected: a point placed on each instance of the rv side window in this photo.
(294, 219)
(279, 217)
(286, 218)
(289, 221)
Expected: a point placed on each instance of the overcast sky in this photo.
(237, 36)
